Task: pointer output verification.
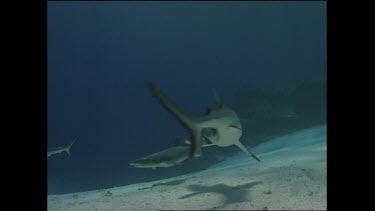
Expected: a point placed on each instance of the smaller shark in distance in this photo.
(58, 150)
(166, 158)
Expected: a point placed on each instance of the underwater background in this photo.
(267, 60)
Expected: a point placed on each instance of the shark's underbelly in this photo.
(52, 152)
(167, 162)
(222, 136)
(228, 130)
(227, 136)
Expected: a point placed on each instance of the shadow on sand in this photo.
(232, 194)
(171, 183)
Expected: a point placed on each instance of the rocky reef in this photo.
(265, 113)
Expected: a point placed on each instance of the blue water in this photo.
(101, 55)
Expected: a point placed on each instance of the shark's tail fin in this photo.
(180, 114)
(69, 146)
(217, 99)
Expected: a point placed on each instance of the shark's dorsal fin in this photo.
(217, 99)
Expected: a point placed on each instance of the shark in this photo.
(220, 126)
(58, 150)
(166, 158)
(187, 140)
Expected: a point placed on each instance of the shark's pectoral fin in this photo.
(196, 143)
(243, 148)
(252, 155)
(199, 153)
(180, 114)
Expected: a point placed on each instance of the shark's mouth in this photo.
(209, 136)
(209, 132)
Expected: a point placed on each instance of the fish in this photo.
(57, 150)
(166, 158)
(220, 126)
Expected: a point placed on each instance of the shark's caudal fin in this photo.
(69, 146)
(217, 99)
(181, 115)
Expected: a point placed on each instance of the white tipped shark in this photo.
(220, 126)
(58, 150)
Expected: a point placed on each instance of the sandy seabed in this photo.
(292, 176)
